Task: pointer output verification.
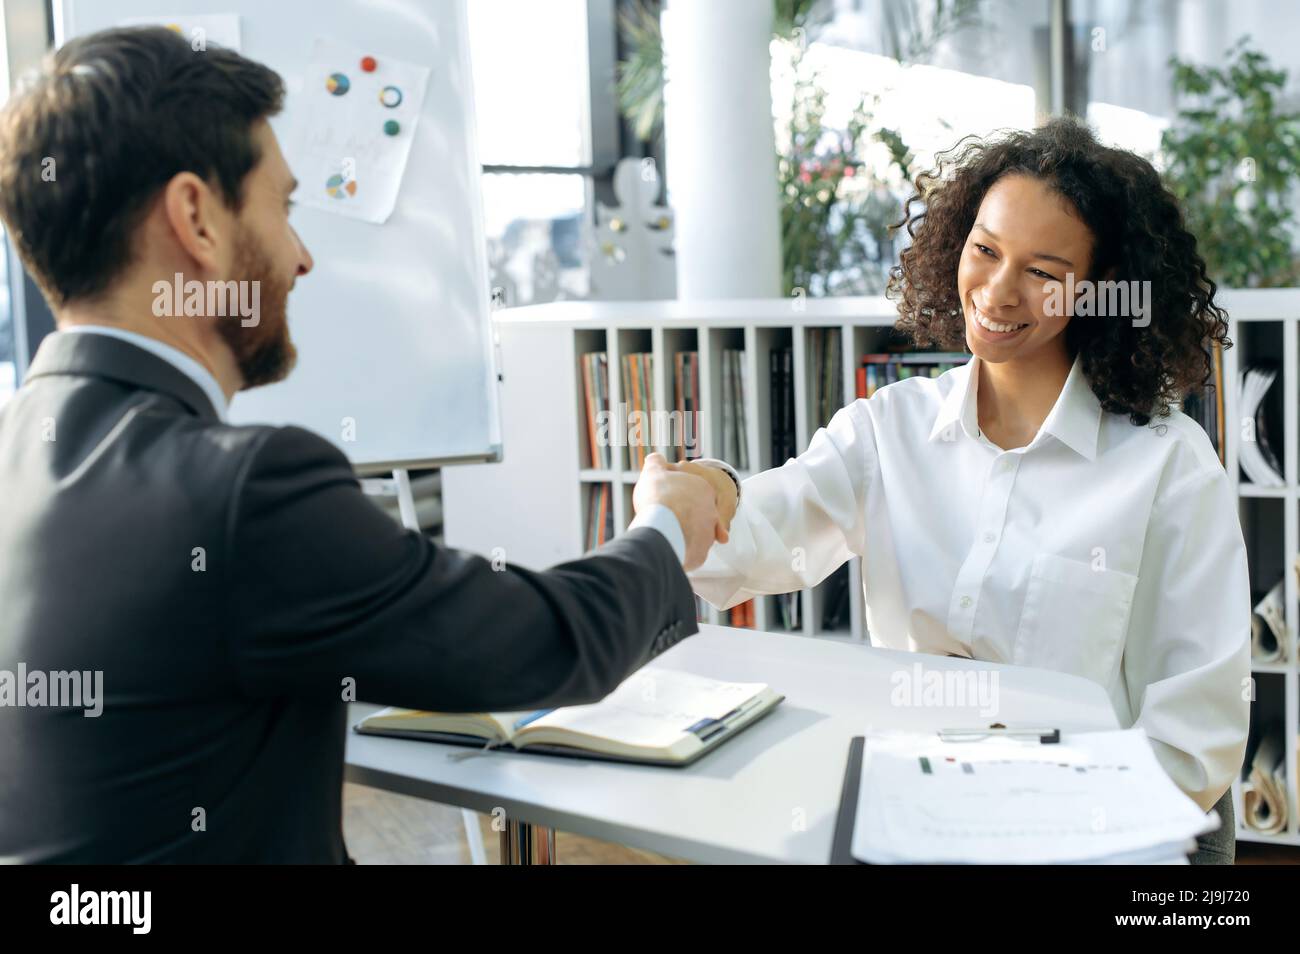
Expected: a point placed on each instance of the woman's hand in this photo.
(724, 488)
(692, 501)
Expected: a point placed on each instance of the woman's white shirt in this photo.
(1102, 549)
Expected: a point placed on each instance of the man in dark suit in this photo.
(223, 590)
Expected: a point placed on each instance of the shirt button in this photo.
(989, 538)
(965, 602)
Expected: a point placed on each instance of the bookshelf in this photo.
(531, 508)
(1263, 325)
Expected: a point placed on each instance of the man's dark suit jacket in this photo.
(225, 668)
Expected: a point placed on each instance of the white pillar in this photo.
(721, 150)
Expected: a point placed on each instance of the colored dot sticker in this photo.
(340, 188)
(368, 64)
(337, 84)
(392, 127)
(390, 96)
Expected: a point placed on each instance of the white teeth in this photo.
(993, 325)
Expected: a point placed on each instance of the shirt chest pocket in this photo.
(1075, 618)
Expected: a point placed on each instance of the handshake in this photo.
(701, 496)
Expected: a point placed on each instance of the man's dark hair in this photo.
(120, 113)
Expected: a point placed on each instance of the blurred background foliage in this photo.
(1232, 157)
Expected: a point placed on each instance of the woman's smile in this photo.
(991, 330)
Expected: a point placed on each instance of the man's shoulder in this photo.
(267, 443)
(258, 452)
(240, 476)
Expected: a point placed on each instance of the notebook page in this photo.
(653, 707)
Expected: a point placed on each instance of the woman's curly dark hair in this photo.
(1138, 231)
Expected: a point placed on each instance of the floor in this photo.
(386, 829)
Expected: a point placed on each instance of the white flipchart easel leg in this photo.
(406, 507)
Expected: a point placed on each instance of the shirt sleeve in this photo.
(661, 518)
(796, 524)
(1187, 663)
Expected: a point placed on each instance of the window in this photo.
(537, 235)
(923, 78)
(533, 97)
(8, 357)
(1122, 49)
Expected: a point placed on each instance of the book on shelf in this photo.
(835, 600)
(879, 369)
(701, 610)
(1258, 456)
(1204, 405)
(686, 395)
(825, 359)
(728, 410)
(600, 515)
(735, 446)
(638, 398)
(595, 389)
(657, 716)
(787, 605)
(782, 405)
(741, 615)
(1220, 421)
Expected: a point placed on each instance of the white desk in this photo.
(768, 795)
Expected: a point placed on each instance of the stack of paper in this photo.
(1257, 457)
(1097, 797)
(1268, 629)
(1263, 795)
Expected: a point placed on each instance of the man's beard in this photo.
(263, 352)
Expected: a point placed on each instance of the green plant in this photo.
(835, 212)
(640, 77)
(908, 35)
(912, 32)
(790, 17)
(837, 208)
(1231, 158)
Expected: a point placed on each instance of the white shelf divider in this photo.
(1291, 534)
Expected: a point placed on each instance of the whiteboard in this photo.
(393, 324)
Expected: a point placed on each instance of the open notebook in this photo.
(657, 716)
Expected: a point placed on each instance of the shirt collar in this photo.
(173, 356)
(1075, 418)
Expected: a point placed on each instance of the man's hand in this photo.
(692, 500)
(724, 488)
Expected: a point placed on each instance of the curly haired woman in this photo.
(1042, 505)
